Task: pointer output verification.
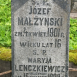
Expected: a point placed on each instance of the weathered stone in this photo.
(5, 66)
(40, 32)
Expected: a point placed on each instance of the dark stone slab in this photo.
(72, 73)
(5, 66)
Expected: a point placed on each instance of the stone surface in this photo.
(74, 7)
(73, 15)
(40, 31)
(5, 66)
(73, 74)
(72, 65)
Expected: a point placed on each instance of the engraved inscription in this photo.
(40, 39)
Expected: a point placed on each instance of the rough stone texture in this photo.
(72, 73)
(73, 15)
(5, 66)
(72, 4)
(40, 40)
(74, 7)
(72, 65)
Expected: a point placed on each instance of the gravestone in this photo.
(40, 33)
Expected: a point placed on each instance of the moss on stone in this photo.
(73, 56)
(5, 54)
